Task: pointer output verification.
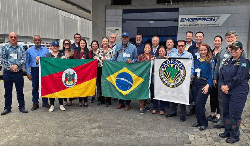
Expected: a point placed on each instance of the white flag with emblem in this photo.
(172, 80)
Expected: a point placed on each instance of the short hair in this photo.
(170, 39)
(200, 32)
(36, 36)
(155, 37)
(218, 36)
(77, 34)
(189, 32)
(139, 34)
(181, 41)
(231, 32)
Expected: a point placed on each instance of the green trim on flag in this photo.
(54, 65)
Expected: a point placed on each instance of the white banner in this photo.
(172, 80)
(202, 20)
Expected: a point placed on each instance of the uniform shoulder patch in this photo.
(244, 65)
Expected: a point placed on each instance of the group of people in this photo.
(221, 72)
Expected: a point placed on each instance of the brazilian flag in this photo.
(126, 81)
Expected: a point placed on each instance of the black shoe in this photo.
(147, 108)
(196, 124)
(232, 140)
(171, 115)
(224, 135)
(5, 111)
(216, 120)
(203, 128)
(108, 104)
(219, 125)
(182, 118)
(99, 103)
(191, 112)
(92, 100)
(142, 111)
(211, 118)
(46, 105)
(23, 110)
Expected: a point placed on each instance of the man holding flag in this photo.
(125, 52)
(180, 54)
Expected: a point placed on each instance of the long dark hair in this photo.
(86, 50)
(93, 42)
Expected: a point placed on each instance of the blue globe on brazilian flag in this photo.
(126, 81)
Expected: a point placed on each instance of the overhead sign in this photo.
(202, 20)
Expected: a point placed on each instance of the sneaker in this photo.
(51, 109)
(62, 108)
(142, 111)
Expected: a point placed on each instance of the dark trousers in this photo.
(214, 102)
(174, 108)
(98, 83)
(9, 78)
(85, 99)
(233, 105)
(127, 102)
(200, 100)
(35, 86)
(52, 101)
(220, 99)
(163, 104)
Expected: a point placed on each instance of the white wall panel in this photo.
(29, 18)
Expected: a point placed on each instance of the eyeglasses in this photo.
(181, 46)
(13, 37)
(56, 46)
(67, 44)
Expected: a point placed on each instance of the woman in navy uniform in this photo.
(202, 84)
(234, 76)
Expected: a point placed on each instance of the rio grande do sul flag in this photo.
(172, 80)
(126, 81)
(67, 78)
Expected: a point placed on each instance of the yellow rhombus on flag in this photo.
(136, 80)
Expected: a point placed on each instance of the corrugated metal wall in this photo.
(28, 18)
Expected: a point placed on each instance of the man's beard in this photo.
(124, 43)
(38, 45)
(138, 42)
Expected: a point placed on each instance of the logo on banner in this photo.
(125, 81)
(172, 73)
(69, 78)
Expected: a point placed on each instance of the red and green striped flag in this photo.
(66, 78)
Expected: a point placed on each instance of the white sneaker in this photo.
(51, 109)
(62, 108)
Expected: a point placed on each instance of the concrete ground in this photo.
(100, 125)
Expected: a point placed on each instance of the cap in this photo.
(55, 43)
(236, 44)
(125, 34)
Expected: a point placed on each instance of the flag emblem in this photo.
(172, 73)
(69, 78)
(125, 81)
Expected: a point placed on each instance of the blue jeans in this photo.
(9, 78)
(35, 86)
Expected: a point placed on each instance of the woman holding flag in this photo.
(202, 84)
(55, 54)
(83, 53)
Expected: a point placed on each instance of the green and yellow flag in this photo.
(126, 81)
(66, 78)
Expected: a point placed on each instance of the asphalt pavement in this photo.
(105, 126)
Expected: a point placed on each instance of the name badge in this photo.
(197, 70)
(226, 55)
(126, 55)
(13, 56)
(198, 55)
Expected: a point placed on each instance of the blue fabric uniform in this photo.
(203, 76)
(194, 51)
(140, 49)
(31, 55)
(13, 55)
(235, 74)
(155, 52)
(75, 47)
(123, 54)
